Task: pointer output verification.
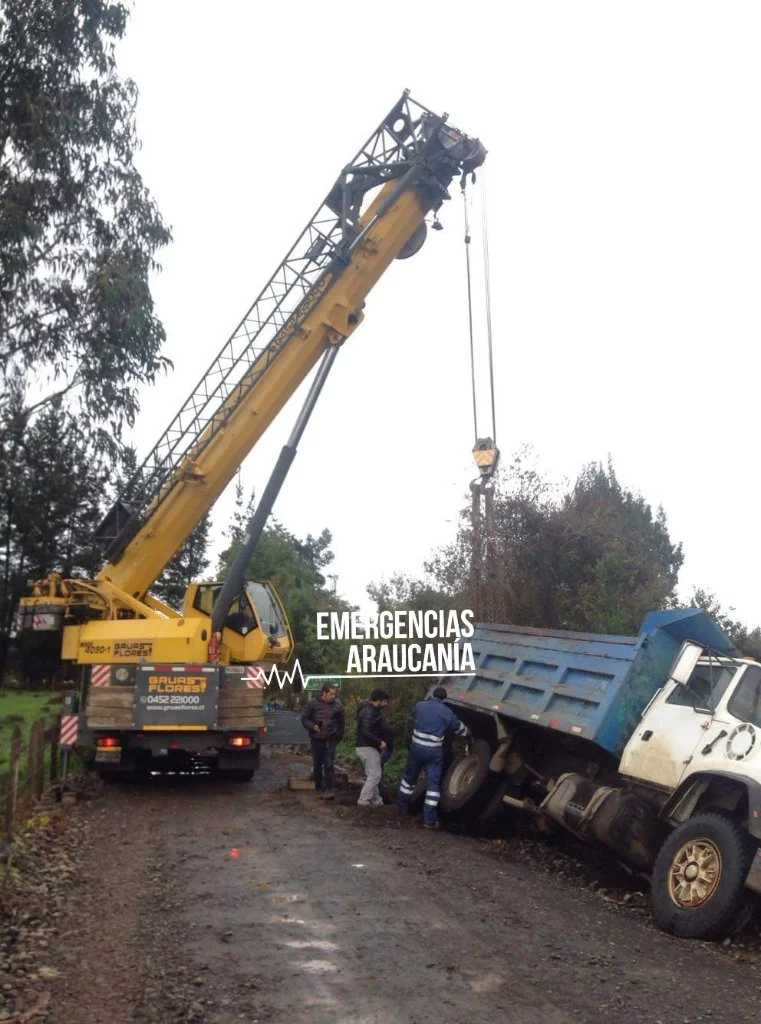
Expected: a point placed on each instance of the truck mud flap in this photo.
(284, 727)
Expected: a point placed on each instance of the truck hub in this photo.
(695, 873)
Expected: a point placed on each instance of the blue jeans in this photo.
(432, 759)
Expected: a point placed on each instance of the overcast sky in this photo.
(624, 195)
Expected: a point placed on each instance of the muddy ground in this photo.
(213, 902)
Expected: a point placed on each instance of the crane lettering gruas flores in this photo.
(375, 213)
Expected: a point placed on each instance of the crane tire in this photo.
(698, 883)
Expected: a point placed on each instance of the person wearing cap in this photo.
(372, 729)
(324, 719)
(432, 720)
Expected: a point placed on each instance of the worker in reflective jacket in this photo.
(431, 721)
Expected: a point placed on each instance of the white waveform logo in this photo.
(282, 677)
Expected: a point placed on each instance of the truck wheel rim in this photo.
(695, 872)
(463, 774)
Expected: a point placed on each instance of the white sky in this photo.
(624, 196)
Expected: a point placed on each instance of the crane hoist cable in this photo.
(485, 451)
(487, 288)
(492, 595)
(470, 316)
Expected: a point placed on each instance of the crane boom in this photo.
(314, 299)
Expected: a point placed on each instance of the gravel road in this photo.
(211, 902)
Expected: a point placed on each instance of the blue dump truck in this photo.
(648, 745)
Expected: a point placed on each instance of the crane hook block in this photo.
(486, 455)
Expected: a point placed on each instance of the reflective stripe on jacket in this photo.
(431, 721)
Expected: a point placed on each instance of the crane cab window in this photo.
(205, 598)
(241, 617)
(267, 609)
(706, 686)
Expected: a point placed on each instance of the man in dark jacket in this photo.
(324, 719)
(372, 729)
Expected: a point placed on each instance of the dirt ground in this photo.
(211, 902)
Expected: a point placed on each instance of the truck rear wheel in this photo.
(495, 811)
(698, 883)
(466, 787)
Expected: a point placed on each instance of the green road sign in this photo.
(317, 682)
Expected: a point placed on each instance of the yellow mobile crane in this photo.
(163, 671)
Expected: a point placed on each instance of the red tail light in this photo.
(239, 741)
(107, 741)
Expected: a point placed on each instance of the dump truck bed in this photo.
(589, 685)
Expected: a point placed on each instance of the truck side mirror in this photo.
(685, 663)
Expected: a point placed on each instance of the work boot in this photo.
(328, 795)
(434, 825)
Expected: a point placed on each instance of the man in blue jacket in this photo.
(431, 721)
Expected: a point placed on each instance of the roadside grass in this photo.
(22, 708)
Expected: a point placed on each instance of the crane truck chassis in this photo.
(648, 745)
(159, 682)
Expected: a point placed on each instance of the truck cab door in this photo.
(678, 721)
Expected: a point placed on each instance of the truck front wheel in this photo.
(698, 883)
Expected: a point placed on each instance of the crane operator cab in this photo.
(256, 628)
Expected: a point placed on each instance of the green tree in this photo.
(592, 557)
(78, 228)
(400, 592)
(745, 638)
(296, 569)
(53, 491)
(616, 560)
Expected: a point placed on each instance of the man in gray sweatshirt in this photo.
(372, 727)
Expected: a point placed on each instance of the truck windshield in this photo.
(707, 685)
(267, 609)
(746, 700)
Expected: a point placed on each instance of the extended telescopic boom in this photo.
(313, 300)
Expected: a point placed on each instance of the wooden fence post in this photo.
(36, 762)
(55, 740)
(13, 774)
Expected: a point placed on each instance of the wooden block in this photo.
(299, 782)
(241, 700)
(109, 721)
(104, 698)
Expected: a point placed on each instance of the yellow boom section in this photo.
(327, 315)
